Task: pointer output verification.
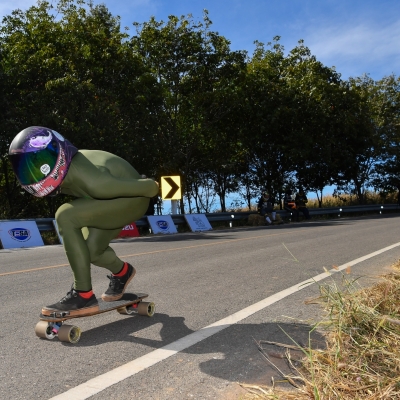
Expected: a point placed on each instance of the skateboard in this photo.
(53, 325)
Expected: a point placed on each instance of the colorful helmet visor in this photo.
(40, 158)
(34, 166)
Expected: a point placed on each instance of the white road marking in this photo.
(104, 381)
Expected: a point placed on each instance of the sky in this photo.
(354, 36)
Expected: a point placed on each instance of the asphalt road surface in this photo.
(216, 294)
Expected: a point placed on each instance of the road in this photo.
(197, 280)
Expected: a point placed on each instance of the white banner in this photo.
(198, 222)
(17, 234)
(161, 224)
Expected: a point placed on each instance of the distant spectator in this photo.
(301, 201)
(266, 206)
(290, 205)
(398, 196)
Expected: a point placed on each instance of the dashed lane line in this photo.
(156, 251)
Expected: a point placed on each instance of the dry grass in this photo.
(362, 357)
(351, 200)
(330, 201)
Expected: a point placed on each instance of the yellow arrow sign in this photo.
(171, 188)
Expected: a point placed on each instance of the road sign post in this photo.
(174, 206)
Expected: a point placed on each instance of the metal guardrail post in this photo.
(46, 224)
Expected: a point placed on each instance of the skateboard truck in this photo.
(59, 314)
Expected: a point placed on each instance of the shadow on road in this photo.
(234, 353)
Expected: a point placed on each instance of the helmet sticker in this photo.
(40, 141)
(45, 169)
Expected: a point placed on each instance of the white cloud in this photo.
(357, 40)
(364, 46)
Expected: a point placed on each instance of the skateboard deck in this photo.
(53, 325)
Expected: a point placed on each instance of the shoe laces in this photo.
(72, 293)
(115, 281)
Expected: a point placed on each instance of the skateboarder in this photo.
(109, 195)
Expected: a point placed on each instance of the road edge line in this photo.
(104, 381)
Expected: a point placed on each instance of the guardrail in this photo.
(46, 224)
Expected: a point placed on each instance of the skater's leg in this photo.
(104, 215)
(102, 255)
(105, 218)
(100, 252)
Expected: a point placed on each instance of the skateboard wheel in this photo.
(146, 308)
(69, 333)
(45, 330)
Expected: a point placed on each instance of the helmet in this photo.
(40, 158)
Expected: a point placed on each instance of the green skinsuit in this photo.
(110, 195)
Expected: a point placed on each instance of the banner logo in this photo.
(128, 228)
(20, 234)
(163, 225)
(199, 222)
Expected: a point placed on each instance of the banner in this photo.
(17, 234)
(130, 230)
(161, 224)
(198, 222)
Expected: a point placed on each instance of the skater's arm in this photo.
(86, 180)
(105, 186)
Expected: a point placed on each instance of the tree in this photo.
(358, 141)
(77, 74)
(270, 120)
(194, 67)
(385, 101)
(315, 90)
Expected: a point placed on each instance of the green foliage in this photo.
(384, 97)
(77, 74)
(175, 99)
(197, 73)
